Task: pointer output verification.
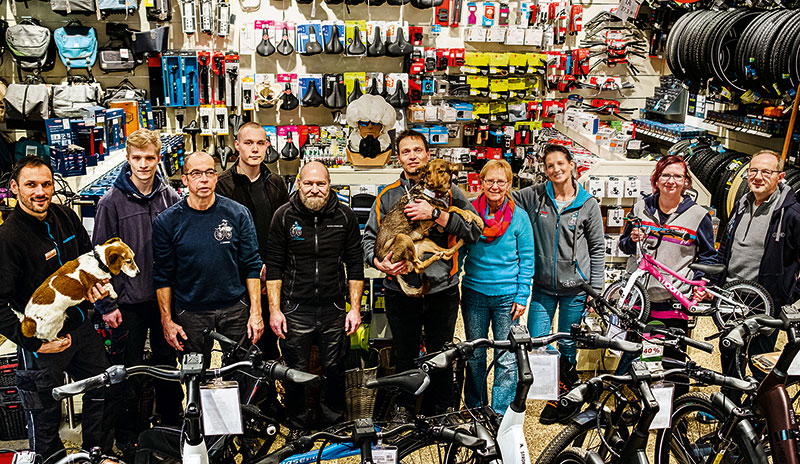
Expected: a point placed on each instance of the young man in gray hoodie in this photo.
(127, 211)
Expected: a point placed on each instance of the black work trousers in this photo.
(39, 373)
(323, 325)
(230, 321)
(407, 316)
(131, 336)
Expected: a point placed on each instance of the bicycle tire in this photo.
(417, 448)
(738, 180)
(749, 294)
(576, 435)
(638, 303)
(670, 444)
(575, 455)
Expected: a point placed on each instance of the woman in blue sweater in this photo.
(497, 283)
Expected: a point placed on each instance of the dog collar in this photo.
(100, 263)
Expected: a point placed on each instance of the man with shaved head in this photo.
(207, 267)
(312, 239)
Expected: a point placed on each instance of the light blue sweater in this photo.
(504, 266)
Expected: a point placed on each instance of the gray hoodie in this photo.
(570, 245)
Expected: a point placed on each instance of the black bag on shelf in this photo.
(125, 90)
(116, 56)
(150, 42)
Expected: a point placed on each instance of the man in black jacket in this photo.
(36, 240)
(250, 183)
(312, 239)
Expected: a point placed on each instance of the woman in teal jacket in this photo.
(496, 284)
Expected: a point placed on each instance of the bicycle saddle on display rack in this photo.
(399, 99)
(334, 45)
(335, 97)
(265, 47)
(272, 154)
(313, 47)
(290, 102)
(356, 93)
(356, 46)
(373, 87)
(377, 47)
(400, 46)
(312, 96)
(285, 47)
(289, 151)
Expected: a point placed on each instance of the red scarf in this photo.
(495, 226)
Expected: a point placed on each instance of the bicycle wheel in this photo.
(694, 432)
(747, 298)
(636, 305)
(421, 448)
(576, 456)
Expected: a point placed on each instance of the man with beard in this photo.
(312, 239)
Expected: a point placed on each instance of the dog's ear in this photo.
(452, 168)
(114, 258)
(423, 173)
(113, 240)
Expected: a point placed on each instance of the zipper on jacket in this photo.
(555, 252)
(316, 259)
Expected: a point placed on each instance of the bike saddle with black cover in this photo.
(373, 87)
(313, 47)
(399, 99)
(377, 47)
(312, 96)
(400, 46)
(335, 97)
(265, 47)
(356, 46)
(285, 47)
(356, 93)
(290, 102)
(289, 151)
(413, 381)
(334, 45)
(272, 154)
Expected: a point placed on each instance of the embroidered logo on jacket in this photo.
(223, 232)
(296, 232)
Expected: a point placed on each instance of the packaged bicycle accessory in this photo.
(189, 17)
(156, 81)
(110, 7)
(206, 17)
(77, 46)
(31, 46)
(232, 90)
(218, 69)
(173, 87)
(190, 78)
(223, 18)
(204, 77)
(161, 10)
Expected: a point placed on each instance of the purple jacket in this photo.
(125, 213)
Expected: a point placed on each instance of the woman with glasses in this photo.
(570, 248)
(670, 208)
(496, 284)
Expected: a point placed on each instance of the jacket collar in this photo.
(242, 179)
(581, 195)
(125, 184)
(786, 198)
(651, 204)
(328, 209)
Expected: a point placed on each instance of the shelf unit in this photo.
(588, 142)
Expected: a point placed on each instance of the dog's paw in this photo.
(111, 292)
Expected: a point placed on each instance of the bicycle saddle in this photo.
(265, 47)
(312, 96)
(223, 152)
(289, 151)
(710, 269)
(334, 45)
(290, 102)
(373, 87)
(313, 47)
(400, 46)
(377, 47)
(399, 99)
(272, 154)
(413, 381)
(285, 47)
(335, 97)
(356, 93)
(356, 46)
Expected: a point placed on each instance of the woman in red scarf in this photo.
(497, 282)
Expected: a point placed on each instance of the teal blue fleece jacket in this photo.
(504, 266)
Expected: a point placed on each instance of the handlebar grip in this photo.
(590, 291)
(278, 371)
(700, 345)
(733, 382)
(464, 439)
(734, 338)
(440, 360)
(301, 445)
(219, 337)
(574, 397)
(80, 386)
(600, 341)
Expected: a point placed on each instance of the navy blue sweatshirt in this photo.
(205, 256)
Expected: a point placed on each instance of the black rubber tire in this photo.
(750, 294)
(670, 443)
(573, 456)
(637, 299)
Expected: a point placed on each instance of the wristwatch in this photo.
(436, 213)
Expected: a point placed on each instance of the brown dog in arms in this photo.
(408, 240)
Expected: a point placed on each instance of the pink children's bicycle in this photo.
(732, 303)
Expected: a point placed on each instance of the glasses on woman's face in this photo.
(492, 183)
(676, 177)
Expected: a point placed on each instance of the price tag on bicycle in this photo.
(544, 367)
(663, 394)
(222, 414)
(383, 454)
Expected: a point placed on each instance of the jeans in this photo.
(541, 312)
(479, 311)
(437, 313)
(304, 325)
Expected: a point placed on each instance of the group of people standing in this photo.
(242, 256)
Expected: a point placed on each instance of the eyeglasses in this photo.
(368, 123)
(499, 183)
(752, 172)
(194, 175)
(675, 177)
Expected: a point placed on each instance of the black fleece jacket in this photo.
(30, 251)
(309, 250)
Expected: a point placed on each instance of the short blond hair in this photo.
(773, 153)
(500, 165)
(142, 138)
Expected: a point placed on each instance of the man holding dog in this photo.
(437, 310)
(127, 211)
(313, 238)
(206, 270)
(36, 240)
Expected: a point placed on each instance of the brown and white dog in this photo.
(46, 311)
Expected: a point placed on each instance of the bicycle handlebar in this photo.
(748, 328)
(711, 377)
